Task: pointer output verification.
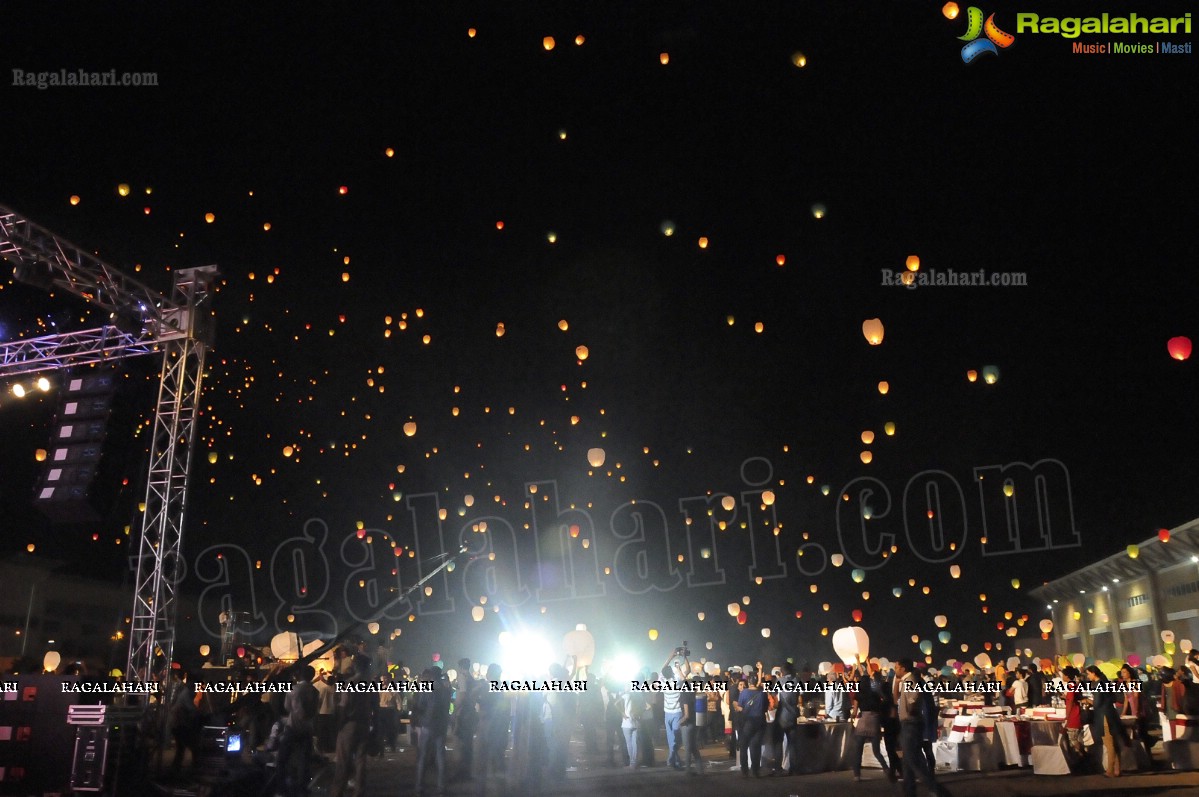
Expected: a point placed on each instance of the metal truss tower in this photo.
(178, 328)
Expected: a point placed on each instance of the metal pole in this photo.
(28, 617)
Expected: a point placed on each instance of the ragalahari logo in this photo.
(995, 40)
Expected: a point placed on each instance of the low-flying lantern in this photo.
(582, 352)
(734, 609)
(596, 457)
(990, 374)
(867, 437)
(1179, 347)
(1133, 551)
(941, 621)
(1163, 535)
(872, 330)
(913, 263)
(851, 644)
(410, 428)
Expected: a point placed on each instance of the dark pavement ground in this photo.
(392, 775)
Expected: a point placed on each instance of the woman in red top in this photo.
(1073, 710)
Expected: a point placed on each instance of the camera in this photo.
(683, 650)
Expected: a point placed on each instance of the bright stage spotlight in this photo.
(525, 655)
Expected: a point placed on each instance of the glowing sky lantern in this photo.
(1015, 583)
(1179, 347)
(40, 455)
(664, 58)
(768, 497)
(867, 437)
(1133, 551)
(596, 457)
(700, 615)
(210, 217)
(990, 374)
(819, 211)
(703, 242)
(548, 43)
(889, 428)
(884, 387)
(866, 457)
(477, 613)
(851, 644)
(288, 451)
(389, 152)
(858, 575)
(926, 647)
(872, 330)
(781, 260)
(212, 457)
(582, 352)
(123, 189)
(728, 503)
(955, 571)
(667, 228)
(1009, 489)
(500, 330)
(856, 614)
(1046, 626)
(1167, 636)
(897, 591)
(972, 376)
(943, 637)
(799, 60)
(1163, 535)
(563, 325)
(410, 428)
(742, 617)
(766, 633)
(734, 609)
(941, 621)
(653, 634)
(982, 661)
(912, 263)
(837, 559)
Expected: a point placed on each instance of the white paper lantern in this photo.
(851, 644)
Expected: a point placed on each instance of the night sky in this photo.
(1076, 170)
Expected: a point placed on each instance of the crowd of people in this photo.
(524, 737)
